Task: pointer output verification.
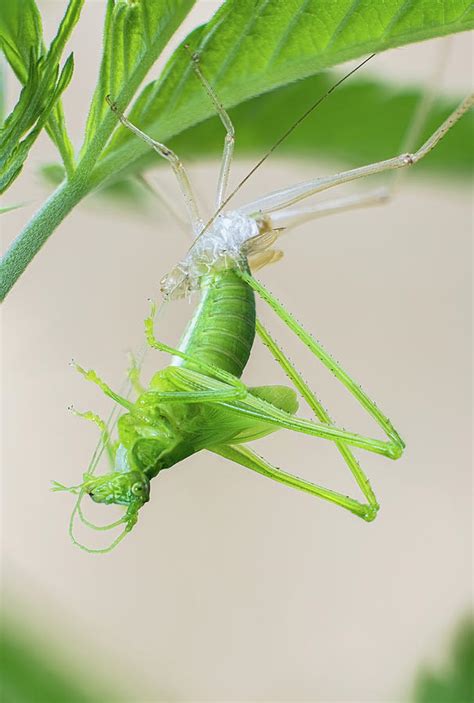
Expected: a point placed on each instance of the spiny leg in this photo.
(396, 442)
(320, 412)
(245, 404)
(241, 454)
(263, 411)
(229, 128)
(284, 198)
(176, 165)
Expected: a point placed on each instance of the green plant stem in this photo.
(42, 225)
(37, 231)
(70, 193)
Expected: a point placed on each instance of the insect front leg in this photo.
(106, 439)
(241, 454)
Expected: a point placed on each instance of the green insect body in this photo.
(199, 401)
(156, 435)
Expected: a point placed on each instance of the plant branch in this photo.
(37, 231)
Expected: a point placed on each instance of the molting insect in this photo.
(199, 401)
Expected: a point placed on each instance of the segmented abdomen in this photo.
(222, 329)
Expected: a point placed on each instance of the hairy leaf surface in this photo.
(135, 33)
(253, 46)
(37, 69)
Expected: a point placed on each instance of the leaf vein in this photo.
(342, 24)
(288, 29)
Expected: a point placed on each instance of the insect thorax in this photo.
(226, 243)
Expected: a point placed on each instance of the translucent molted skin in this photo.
(220, 246)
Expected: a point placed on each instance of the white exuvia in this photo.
(221, 244)
(252, 230)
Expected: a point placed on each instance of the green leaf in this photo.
(66, 26)
(454, 682)
(253, 46)
(57, 125)
(22, 42)
(21, 35)
(364, 120)
(29, 116)
(135, 33)
(248, 48)
(3, 87)
(32, 669)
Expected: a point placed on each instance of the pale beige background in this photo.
(233, 587)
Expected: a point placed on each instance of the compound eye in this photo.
(138, 489)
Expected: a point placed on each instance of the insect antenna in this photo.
(279, 141)
(77, 510)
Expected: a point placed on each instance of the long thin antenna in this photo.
(281, 139)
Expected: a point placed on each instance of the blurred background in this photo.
(232, 587)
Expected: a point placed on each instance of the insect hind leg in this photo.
(323, 416)
(243, 455)
(396, 444)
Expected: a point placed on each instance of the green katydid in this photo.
(199, 401)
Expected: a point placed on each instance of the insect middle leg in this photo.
(235, 387)
(198, 387)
